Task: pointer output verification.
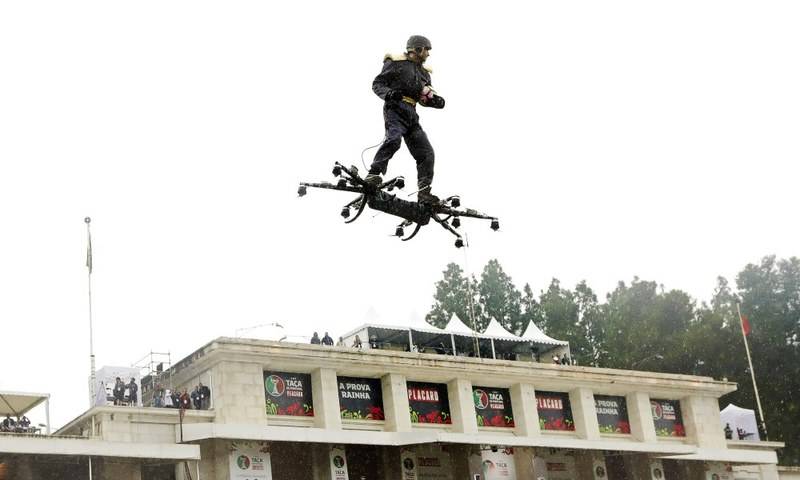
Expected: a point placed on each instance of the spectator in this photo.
(176, 399)
(373, 341)
(8, 424)
(205, 396)
(728, 431)
(565, 360)
(168, 403)
(556, 361)
(315, 339)
(158, 396)
(119, 392)
(133, 392)
(340, 343)
(357, 343)
(185, 401)
(327, 340)
(196, 397)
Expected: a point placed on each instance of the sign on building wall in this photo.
(498, 465)
(433, 464)
(493, 407)
(554, 468)
(667, 418)
(599, 469)
(428, 402)
(338, 464)
(408, 464)
(249, 461)
(612, 414)
(555, 412)
(288, 394)
(360, 398)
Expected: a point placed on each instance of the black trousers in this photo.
(402, 122)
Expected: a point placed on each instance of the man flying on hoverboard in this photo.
(404, 82)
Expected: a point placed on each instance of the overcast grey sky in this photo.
(613, 139)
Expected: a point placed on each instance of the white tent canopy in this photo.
(494, 329)
(455, 325)
(534, 334)
(16, 404)
(740, 418)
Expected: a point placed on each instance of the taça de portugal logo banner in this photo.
(243, 462)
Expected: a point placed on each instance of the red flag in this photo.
(745, 325)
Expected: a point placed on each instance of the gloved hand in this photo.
(436, 102)
(394, 95)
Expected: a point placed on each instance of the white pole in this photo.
(92, 375)
(453, 343)
(47, 412)
(752, 373)
(494, 355)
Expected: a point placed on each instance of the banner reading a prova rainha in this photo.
(667, 418)
(555, 411)
(288, 394)
(612, 414)
(428, 402)
(493, 407)
(360, 398)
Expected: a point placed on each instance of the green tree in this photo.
(770, 294)
(499, 298)
(453, 296)
(531, 310)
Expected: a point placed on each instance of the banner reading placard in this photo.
(555, 412)
(360, 398)
(612, 414)
(288, 394)
(249, 461)
(428, 402)
(667, 418)
(493, 407)
(338, 464)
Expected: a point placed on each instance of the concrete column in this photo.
(465, 461)
(702, 422)
(326, 399)
(640, 417)
(320, 456)
(584, 413)
(238, 392)
(526, 415)
(392, 467)
(523, 462)
(395, 403)
(637, 466)
(462, 406)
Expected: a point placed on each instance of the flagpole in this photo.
(752, 373)
(92, 374)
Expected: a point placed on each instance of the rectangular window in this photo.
(288, 394)
(555, 411)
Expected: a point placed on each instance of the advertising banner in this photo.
(612, 414)
(249, 461)
(360, 398)
(667, 418)
(288, 394)
(428, 403)
(599, 469)
(498, 465)
(555, 412)
(338, 464)
(408, 464)
(656, 470)
(493, 407)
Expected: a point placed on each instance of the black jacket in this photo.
(398, 73)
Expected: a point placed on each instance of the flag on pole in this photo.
(745, 325)
(88, 246)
